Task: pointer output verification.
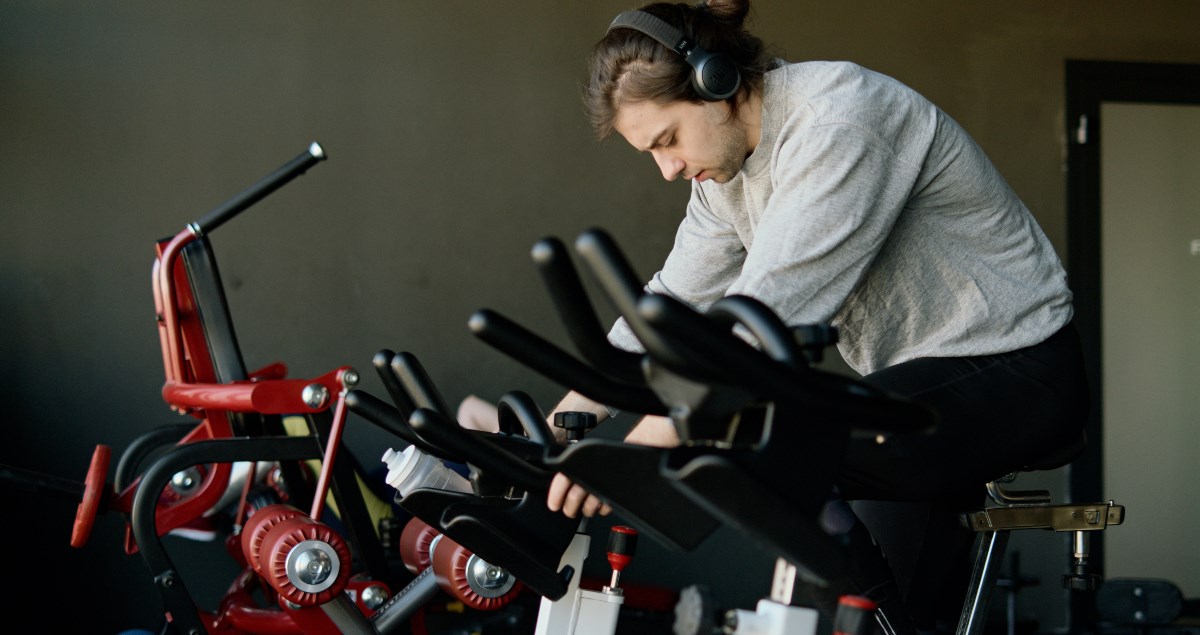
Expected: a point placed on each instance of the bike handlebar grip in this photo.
(382, 361)
(556, 364)
(618, 280)
(418, 385)
(855, 403)
(490, 458)
(699, 340)
(577, 314)
(381, 414)
(765, 325)
(255, 193)
(519, 406)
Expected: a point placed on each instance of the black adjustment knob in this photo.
(1081, 580)
(575, 423)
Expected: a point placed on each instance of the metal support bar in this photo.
(992, 545)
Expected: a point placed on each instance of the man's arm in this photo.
(654, 431)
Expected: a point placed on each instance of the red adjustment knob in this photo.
(93, 494)
(622, 545)
(855, 616)
(305, 561)
(257, 526)
(476, 582)
(414, 545)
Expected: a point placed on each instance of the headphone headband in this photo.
(655, 27)
(715, 77)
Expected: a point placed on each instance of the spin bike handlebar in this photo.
(258, 191)
(164, 273)
(571, 301)
(699, 347)
(859, 404)
(558, 365)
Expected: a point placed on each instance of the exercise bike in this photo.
(717, 386)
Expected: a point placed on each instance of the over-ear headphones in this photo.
(714, 76)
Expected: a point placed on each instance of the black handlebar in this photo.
(558, 365)
(418, 385)
(575, 310)
(853, 402)
(382, 361)
(255, 193)
(518, 411)
(764, 324)
(381, 414)
(488, 457)
(616, 276)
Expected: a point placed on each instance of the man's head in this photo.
(637, 82)
(693, 140)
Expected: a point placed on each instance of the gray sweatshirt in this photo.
(866, 206)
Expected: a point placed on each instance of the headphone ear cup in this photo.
(715, 76)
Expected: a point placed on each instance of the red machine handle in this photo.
(93, 494)
(269, 396)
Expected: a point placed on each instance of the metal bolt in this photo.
(313, 566)
(315, 396)
(186, 481)
(731, 621)
(487, 579)
(350, 378)
(374, 596)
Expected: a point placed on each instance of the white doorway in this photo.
(1150, 337)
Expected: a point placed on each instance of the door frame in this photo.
(1088, 84)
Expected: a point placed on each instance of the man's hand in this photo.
(571, 499)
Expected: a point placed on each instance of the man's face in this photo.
(694, 140)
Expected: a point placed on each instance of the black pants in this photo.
(998, 414)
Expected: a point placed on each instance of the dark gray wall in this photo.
(456, 140)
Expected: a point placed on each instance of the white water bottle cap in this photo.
(400, 465)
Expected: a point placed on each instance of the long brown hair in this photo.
(630, 66)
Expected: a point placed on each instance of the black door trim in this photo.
(1089, 83)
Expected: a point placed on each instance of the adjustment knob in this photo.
(1080, 581)
(576, 424)
(622, 545)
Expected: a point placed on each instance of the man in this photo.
(836, 194)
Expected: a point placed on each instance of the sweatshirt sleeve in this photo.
(838, 190)
(705, 260)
